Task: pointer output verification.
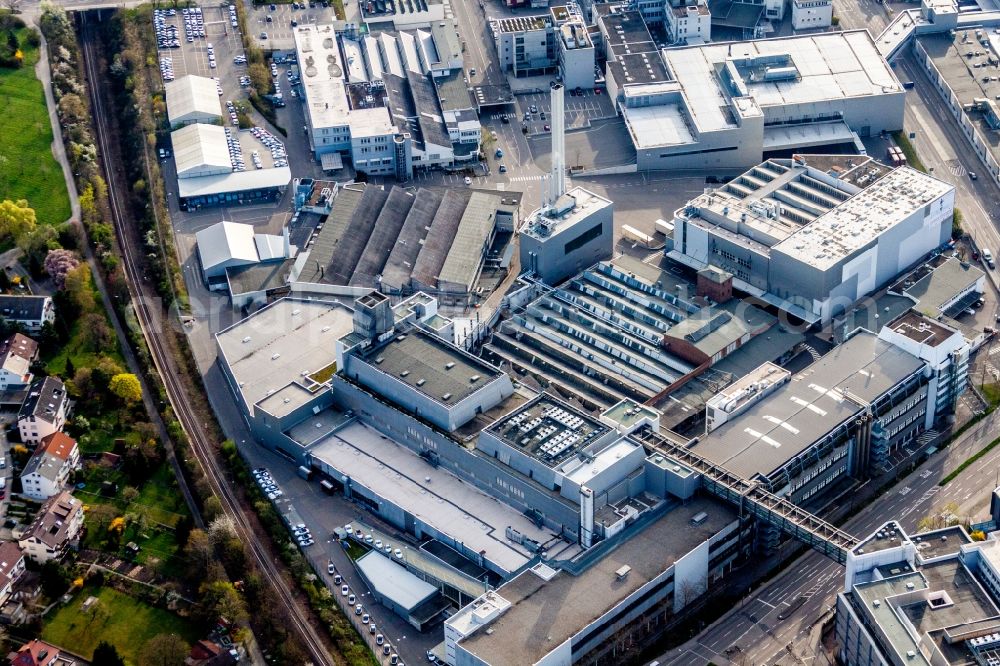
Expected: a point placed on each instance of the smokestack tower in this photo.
(557, 181)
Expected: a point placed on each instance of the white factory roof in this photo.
(192, 98)
(372, 57)
(236, 181)
(200, 148)
(830, 66)
(355, 61)
(863, 218)
(661, 125)
(322, 75)
(269, 246)
(370, 122)
(226, 241)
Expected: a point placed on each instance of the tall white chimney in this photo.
(557, 183)
(286, 242)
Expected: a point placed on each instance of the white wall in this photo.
(691, 576)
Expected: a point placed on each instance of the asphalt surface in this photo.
(753, 634)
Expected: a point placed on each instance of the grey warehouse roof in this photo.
(815, 401)
(393, 581)
(192, 98)
(431, 367)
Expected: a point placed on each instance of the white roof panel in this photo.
(200, 148)
(226, 241)
(239, 181)
(192, 98)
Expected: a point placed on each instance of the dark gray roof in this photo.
(429, 117)
(734, 14)
(440, 238)
(453, 92)
(321, 253)
(432, 367)
(401, 107)
(402, 258)
(383, 238)
(258, 277)
(22, 308)
(815, 401)
(44, 399)
(348, 251)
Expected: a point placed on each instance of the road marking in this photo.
(905, 491)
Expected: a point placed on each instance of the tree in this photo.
(78, 284)
(106, 654)
(96, 332)
(126, 386)
(55, 579)
(58, 263)
(198, 553)
(129, 494)
(16, 218)
(165, 650)
(221, 600)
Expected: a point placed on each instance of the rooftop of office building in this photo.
(922, 329)
(423, 362)
(824, 395)
(547, 429)
(522, 23)
(935, 287)
(322, 75)
(283, 344)
(542, 614)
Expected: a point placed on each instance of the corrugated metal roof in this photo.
(394, 582)
(199, 148)
(238, 181)
(461, 266)
(224, 242)
(191, 98)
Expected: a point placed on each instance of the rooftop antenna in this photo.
(557, 182)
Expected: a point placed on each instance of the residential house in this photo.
(49, 468)
(55, 529)
(44, 410)
(17, 353)
(11, 568)
(32, 312)
(40, 653)
(208, 653)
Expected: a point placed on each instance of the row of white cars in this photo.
(359, 610)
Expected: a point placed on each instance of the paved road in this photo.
(754, 627)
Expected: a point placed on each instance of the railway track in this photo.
(151, 324)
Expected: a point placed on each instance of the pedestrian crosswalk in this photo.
(526, 179)
(927, 437)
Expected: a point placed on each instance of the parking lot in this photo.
(279, 27)
(581, 111)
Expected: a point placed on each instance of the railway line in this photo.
(151, 322)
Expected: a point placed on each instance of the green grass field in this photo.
(27, 168)
(127, 623)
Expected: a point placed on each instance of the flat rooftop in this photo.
(938, 289)
(830, 66)
(953, 598)
(584, 203)
(628, 412)
(625, 28)
(964, 71)
(423, 362)
(282, 344)
(799, 413)
(921, 329)
(938, 543)
(889, 535)
(544, 614)
(451, 506)
(521, 23)
(855, 223)
(547, 429)
(660, 125)
(634, 68)
(322, 75)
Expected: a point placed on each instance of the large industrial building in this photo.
(812, 235)
(924, 599)
(192, 99)
(402, 241)
(207, 175)
(724, 105)
(228, 245)
(842, 416)
(391, 101)
(555, 42)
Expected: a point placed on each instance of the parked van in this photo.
(988, 258)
